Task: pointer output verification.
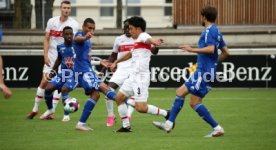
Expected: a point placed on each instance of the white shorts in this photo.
(120, 75)
(52, 58)
(136, 86)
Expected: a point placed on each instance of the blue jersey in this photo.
(210, 36)
(67, 54)
(82, 60)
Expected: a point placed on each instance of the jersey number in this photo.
(138, 91)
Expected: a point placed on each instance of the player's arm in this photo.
(123, 58)
(206, 50)
(6, 91)
(55, 67)
(80, 39)
(111, 58)
(154, 50)
(155, 42)
(46, 48)
(224, 54)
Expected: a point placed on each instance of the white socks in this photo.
(39, 96)
(56, 98)
(156, 111)
(109, 107)
(122, 109)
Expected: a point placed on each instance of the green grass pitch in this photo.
(248, 117)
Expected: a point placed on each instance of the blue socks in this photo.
(177, 106)
(205, 114)
(111, 95)
(64, 97)
(49, 100)
(88, 107)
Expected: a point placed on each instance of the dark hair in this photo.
(138, 22)
(210, 13)
(65, 28)
(65, 2)
(126, 21)
(88, 20)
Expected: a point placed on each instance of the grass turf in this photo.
(248, 117)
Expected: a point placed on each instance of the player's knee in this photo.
(193, 103)
(141, 108)
(64, 90)
(95, 95)
(49, 88)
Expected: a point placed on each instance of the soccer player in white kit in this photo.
(122, 45)
(53, 37)
(137, 84)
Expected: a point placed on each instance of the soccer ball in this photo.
(71, 105)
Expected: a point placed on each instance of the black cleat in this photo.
(122, 129)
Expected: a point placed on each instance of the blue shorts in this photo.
(197, 85)
(87, 80)
(58, 82)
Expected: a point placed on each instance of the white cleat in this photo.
(48, 114)
(66, 118)
(162, 126)
(83, 127)
(216, 133)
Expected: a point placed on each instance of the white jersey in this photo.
(55, 27)
(141, 54)
(123, 45)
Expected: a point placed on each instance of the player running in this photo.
(53, 37)
(199, 83)
(137, 84)
(65, 58)
(122, 45)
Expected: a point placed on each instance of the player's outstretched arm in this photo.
(155, 42)
(224, 54)
(206, 50)
(80, 39)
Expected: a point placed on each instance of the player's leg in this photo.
(65, 95)
(125, 91)
(131, 106)
(56, 99)
(87, 109)
(39, 96)
(122, 110)
(67, 87)
(55, 84)
(181, 92)
(143, 107)
(109, 106)
(201, 109)
(49, 114)
(91, 85)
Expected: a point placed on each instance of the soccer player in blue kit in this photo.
(85, 76)
(65, 57)
(199, 83)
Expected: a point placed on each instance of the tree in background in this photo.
(119, 14)
(23, 13)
